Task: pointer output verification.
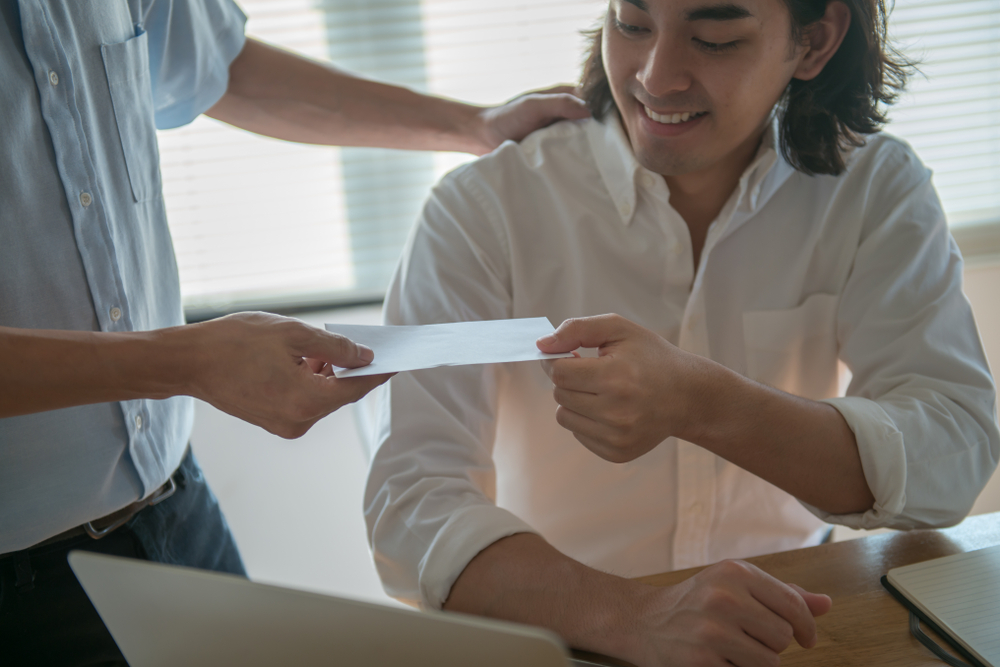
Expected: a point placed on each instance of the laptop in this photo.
(959, 597)
(167, 615)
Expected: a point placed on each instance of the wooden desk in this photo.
(866, 626)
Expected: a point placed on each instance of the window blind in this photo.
(950, 113)
(262, 223)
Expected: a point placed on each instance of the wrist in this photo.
(156, 364)
(712, 392)
(626, 620)
(473, 131)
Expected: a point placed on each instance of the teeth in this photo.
(672, 119)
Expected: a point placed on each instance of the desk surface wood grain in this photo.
(866, 627)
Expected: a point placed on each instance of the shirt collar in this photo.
(616, 163)
(621, 172)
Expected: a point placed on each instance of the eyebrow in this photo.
(720, 12)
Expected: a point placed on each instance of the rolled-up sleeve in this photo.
(429, 500)
(191, 45)
(921, 402)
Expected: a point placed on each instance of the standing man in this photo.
(734, 203)
(97, 369)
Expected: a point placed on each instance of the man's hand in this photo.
(638, 392)
(642, 390)
(731, 613)
(268, 370)
(531, 111)
(273, 371)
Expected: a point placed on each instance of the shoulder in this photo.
(556, 149)
(894, 190)
(880, 176)
(884, 154)
(517, 186)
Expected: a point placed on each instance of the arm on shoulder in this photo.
(280, 94)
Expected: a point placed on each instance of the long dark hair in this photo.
(821, 118)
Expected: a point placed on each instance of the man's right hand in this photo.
(272, 371)
(731, 613)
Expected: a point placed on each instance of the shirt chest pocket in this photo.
(795, 350)
(127, 68)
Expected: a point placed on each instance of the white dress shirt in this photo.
(798, 275)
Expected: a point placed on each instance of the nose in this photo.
(665, 69)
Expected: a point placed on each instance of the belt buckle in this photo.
(159, 496)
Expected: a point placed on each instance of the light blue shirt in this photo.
(84, 243)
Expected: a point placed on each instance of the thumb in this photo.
(337, 350)
(596, 331)
(818, 604)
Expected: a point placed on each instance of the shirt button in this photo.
(116, 314)
(138, 421)
(675, 248)
(625, 209)
(692, 322)
(648, 180)
(86, 199)
(53, 78)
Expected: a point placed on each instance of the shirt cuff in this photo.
(467, 532)
(883, 459)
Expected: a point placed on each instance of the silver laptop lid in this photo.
(165, 615)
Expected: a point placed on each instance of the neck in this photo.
(702, 194)
(699, 196)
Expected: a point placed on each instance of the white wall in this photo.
(295, 506)
(982, 286)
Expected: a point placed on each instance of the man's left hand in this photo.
(639, 391)
(532, 111)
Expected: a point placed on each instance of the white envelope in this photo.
(409, 348)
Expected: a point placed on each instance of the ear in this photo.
(822, 39)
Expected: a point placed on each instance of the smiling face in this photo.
(695, 80)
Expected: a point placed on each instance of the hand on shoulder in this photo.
(519, 117)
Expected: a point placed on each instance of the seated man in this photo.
(734, 203)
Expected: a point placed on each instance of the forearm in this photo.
(523, 579)
(802, 446)
(47, 370)
(729, 613)
(279, 94)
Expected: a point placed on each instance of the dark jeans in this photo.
(51, 621)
